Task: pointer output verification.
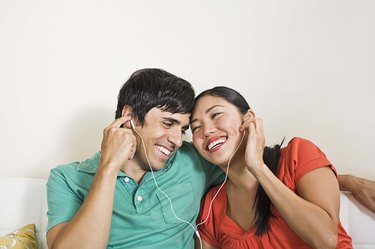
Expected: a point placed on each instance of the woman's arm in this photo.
(362, 189)
(313, 212)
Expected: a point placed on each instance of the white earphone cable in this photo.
(225, 179)
(157, 186)
(195, 229)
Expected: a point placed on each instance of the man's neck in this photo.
(134, 170)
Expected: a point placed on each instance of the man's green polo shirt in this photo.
(142, 215)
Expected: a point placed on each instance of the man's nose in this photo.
(175, 137)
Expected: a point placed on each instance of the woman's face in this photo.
(215, 127)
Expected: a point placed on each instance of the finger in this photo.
(259, 125)
(260, 131)
(252, 129)
(132, 152)
(243, 126)
(246, 124)
(120, 121)
(116, 126)
(134, 147)
(262, 128)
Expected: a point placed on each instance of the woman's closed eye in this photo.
(194, 128)
(216, 114)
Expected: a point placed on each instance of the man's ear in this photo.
(127, 111)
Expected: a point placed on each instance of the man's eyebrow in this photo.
(207, 111)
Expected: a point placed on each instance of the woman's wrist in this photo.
(260, 171)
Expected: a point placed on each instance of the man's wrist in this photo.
(348, 182)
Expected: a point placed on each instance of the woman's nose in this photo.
(208, 130)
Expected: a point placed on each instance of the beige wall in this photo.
(306, 67)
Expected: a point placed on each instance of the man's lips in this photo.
(163, 150)
(215, 143)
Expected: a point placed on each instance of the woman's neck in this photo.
(242, 188)
(240, 177)
(241, 193)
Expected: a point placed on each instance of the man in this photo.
(140, 191)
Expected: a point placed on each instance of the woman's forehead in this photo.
(208, 103)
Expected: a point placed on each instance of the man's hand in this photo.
(118, 144)
(362, 189)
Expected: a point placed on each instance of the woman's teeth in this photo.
(215, 143)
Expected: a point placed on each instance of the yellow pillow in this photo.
(23, 238)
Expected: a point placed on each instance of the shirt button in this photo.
(139, 198)
(126, 179)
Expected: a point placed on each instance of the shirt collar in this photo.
(90, 165)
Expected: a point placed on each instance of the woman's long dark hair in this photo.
(271, 156)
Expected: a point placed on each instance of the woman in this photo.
(273, 197)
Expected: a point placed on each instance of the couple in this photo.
(144, 188)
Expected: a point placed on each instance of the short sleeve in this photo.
(62, 201)
(300, 157)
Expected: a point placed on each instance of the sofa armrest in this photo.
(358, 221)
(24, 201)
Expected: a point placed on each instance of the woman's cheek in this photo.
(195, 142)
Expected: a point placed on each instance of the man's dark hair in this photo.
(152, 87)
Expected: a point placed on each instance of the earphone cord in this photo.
(157, 186)
(221, 186)
(195, 229)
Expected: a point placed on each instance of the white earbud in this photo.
(132, 124)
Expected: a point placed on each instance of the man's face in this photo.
(162, 136)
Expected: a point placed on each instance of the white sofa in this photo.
(23, 201)
(358, 221)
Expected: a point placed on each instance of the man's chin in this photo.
(157, 165)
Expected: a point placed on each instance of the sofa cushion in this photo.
(23, 238)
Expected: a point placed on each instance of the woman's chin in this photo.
(221, 163)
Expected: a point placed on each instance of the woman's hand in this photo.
(255, 143)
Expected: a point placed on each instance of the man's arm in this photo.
(362, 189)
(90, 226)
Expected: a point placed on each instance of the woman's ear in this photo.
(127, 111)
(249, 114)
